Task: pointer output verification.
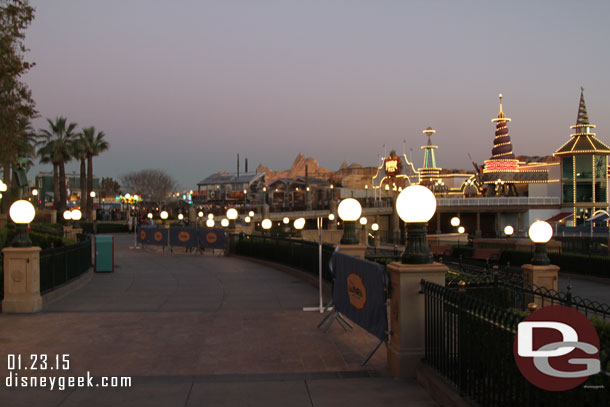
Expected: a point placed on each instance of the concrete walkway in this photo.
(195, 330)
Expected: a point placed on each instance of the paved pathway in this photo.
(198, 331)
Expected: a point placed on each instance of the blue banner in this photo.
(185, 237)
(359, 292)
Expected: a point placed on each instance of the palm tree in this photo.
(95, 144)
(79, 151)
(56, 145)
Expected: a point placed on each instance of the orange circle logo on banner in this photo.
(211, 237)
(356, 291)
(184, 236)
(158, 236)
(142, 235)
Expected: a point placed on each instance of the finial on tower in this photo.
(501, 115)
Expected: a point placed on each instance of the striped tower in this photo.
(429, 172)
(502, 157)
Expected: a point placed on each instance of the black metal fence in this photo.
(469, 340)
(62, 264)
(296, 253)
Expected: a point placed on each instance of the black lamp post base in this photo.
(540, 255)
(417, 250)
(349, 233)
(22, 238)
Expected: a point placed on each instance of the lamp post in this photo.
(540, 232)
(21, 264)
(266, 225)
(232, 215)
(164, 216)
(199, 217)
(415, 205)
(22, 212)
(299, 224)
(349, 211)
(363, 221)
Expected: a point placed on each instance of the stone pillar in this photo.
(407, 316)
(478, 233)
(438, 223)
(21, 280)
(541, 276)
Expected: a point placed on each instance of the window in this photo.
(584, 167)
(600, 191)
(584, 192)
(567, 168)
(568, 192)
(600, 166)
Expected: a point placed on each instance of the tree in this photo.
(57, 147)
(79, 152)
(17, 107)
(110, 187)
(153, 185)
(94, 145)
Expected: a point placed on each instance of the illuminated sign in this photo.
(392, 165)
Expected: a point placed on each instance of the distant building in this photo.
(229, 187)
(44, 183)
(584, 170)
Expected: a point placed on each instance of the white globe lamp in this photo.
(540, 232)
(509, 230)
(22, 212)
(224, 222)
(210, 223)
(349, 211)
(455, 221)
(415, 205)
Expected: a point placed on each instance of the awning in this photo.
(599, 217)
(559, 217)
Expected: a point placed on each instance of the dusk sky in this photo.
(184, 86)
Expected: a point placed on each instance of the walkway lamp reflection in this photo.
(22, 212)
(540, 232)
(349, 211)
(415, 205)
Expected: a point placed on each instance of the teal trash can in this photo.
(104, 254)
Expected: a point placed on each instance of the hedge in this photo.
(568, 262)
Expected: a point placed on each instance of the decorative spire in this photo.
(429, 159)
(503, 149)
(583, 117)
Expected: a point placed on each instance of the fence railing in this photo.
(61, 264)
(296, 253)
(470, 340)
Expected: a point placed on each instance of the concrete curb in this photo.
(442, 392)
(67, 288)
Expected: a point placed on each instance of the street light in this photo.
(363, 222)
(150, 215)
(509, 230)
(415, 205)
(232, 214)
(211, 216)
(210, 223)
(248, 219)
(92, 194)
(455, 221)
(299, 223)
(540, 232)
(200, 214)
(266, 224)
(251, 214)
(67, 215)
(22, 212)
(34, 192)
(3, 186)
(76, 215)
(331, 217)
(349, 211)
(461, 229)
(224, 222)
(286, 220)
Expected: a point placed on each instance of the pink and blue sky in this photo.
(184, 86)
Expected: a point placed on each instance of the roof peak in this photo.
(501, 115)
(583, 117)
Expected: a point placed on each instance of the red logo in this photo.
(557, 348)
(184, 236)
(158, 236)
(211, 237)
